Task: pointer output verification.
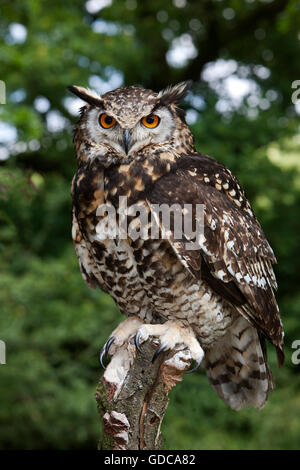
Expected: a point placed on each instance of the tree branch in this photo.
(132, 395)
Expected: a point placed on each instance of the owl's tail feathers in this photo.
(237, 367)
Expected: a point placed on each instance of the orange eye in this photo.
(151, 121)
(106, 121)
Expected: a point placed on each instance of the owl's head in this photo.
(127, 120)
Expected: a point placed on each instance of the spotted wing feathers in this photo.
(236, 255)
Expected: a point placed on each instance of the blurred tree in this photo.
(242, 56)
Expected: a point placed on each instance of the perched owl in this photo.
(134, 145)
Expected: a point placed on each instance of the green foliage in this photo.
(52, 323)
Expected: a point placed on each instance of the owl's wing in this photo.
(80, 226)
(233, 255)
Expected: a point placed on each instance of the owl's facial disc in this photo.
(129, 119)
(154, 128)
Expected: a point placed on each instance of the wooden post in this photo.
(132, 395)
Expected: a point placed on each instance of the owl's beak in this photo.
(126, 140)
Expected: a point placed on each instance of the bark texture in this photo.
(132, 395)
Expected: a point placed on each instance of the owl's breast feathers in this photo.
(234, 256)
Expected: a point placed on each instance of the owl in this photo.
(212, 293)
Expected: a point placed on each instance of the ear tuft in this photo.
(175, 93)
(89, 96)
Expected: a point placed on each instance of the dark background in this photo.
(243, 57)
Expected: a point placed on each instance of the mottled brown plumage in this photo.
(218, 300)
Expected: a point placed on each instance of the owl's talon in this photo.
(120, 336)
(161, 348)
(198, 363)
(137, 342)
(171, 334)
(105, 350)
(108, 344)
(102, 354)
